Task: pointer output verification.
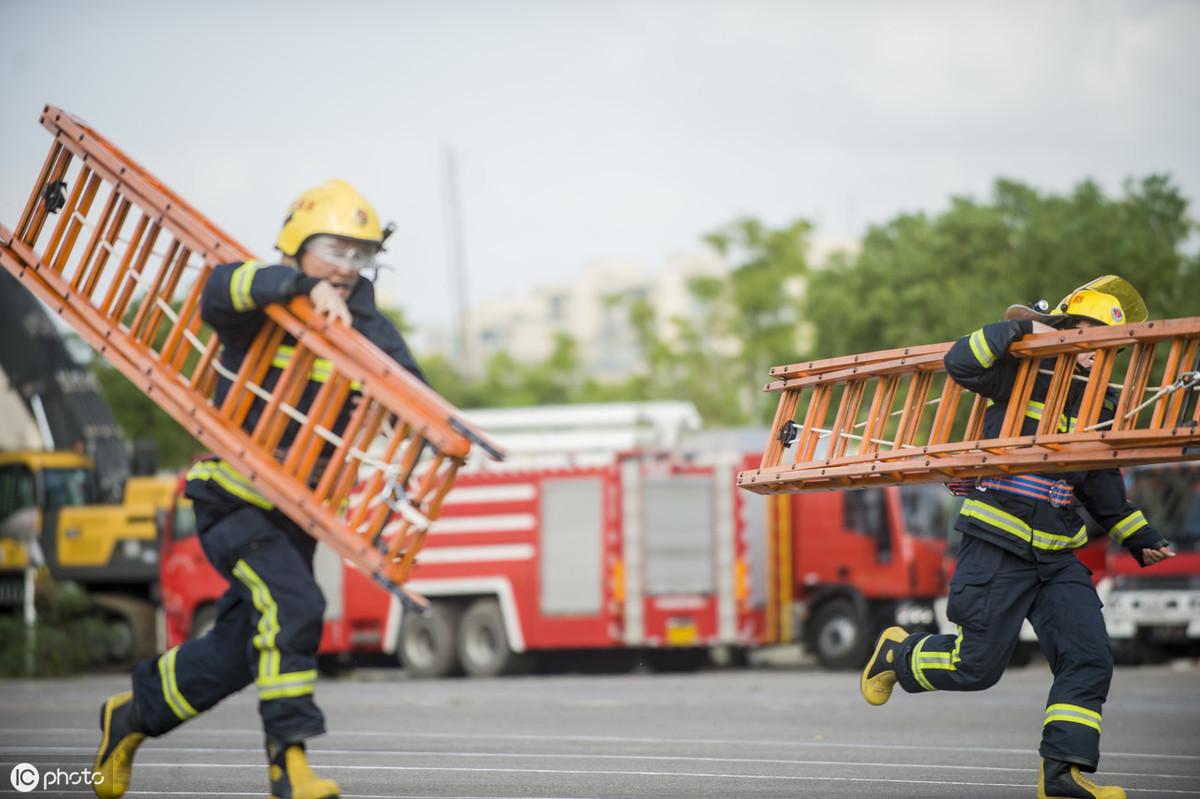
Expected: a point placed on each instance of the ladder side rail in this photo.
(787, 480)
(816, 367)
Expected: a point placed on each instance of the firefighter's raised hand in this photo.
(327, 301)
(1152, 556)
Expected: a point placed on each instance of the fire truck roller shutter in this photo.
(679, 535)
(572, 552)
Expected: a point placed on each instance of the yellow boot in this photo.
(1061, 780)
(879, 677)
(120, 736)
(291, 778)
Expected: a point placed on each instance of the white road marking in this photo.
(750, 742)
(391, 753)
(614, 773)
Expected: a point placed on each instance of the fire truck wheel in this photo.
(837, 635)
(483, 643)
(427, 642)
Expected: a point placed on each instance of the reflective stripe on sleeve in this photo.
(229, 479)
(981, 350)
(239, 286)
(1128, 526)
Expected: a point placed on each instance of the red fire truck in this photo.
(600, 557)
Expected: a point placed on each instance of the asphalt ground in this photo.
(754, 733)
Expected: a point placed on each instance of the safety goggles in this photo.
(348, 254)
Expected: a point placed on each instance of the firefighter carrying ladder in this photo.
(115, 266)
(916, 428)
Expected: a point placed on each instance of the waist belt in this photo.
(1058, 493)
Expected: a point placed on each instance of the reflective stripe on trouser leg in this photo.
(268, 625)
(928, 662)
(283, 651)
(170, 686)
(1070, 628)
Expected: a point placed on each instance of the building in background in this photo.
(592, 309)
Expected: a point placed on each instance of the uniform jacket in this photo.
(232, 303)
(1035, 529)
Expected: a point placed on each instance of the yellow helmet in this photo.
(332, 209)
(1109, 300)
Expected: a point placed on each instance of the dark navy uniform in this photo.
(1016, 562)
(268, 623)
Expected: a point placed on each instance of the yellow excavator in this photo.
(69, 507)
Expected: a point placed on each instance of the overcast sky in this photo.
(590, 131)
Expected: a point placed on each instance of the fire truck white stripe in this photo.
(512, 492)
(500, 522)
(476, 554)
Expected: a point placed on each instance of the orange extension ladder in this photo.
(883, 430)
(97, 266)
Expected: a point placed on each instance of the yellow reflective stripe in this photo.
(943, 660)
(1128, 526)
(282, 693)
(296, 683)
(170, 688)
(229, 479)
(1040, 539)
(239, 286)
(1034, 410)
(268, 619)
(1073, 714)
(283, 356)
(917, 668)
(288, 678)
(322, 368)
(980, 349)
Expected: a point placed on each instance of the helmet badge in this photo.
(360, 217)
(1117, 315)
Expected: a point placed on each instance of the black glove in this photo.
(1137, 553)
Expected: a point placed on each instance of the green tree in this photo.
(921, 279)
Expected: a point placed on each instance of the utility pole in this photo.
(456, 259)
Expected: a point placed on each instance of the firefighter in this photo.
(269, 621)
(1016, 559)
